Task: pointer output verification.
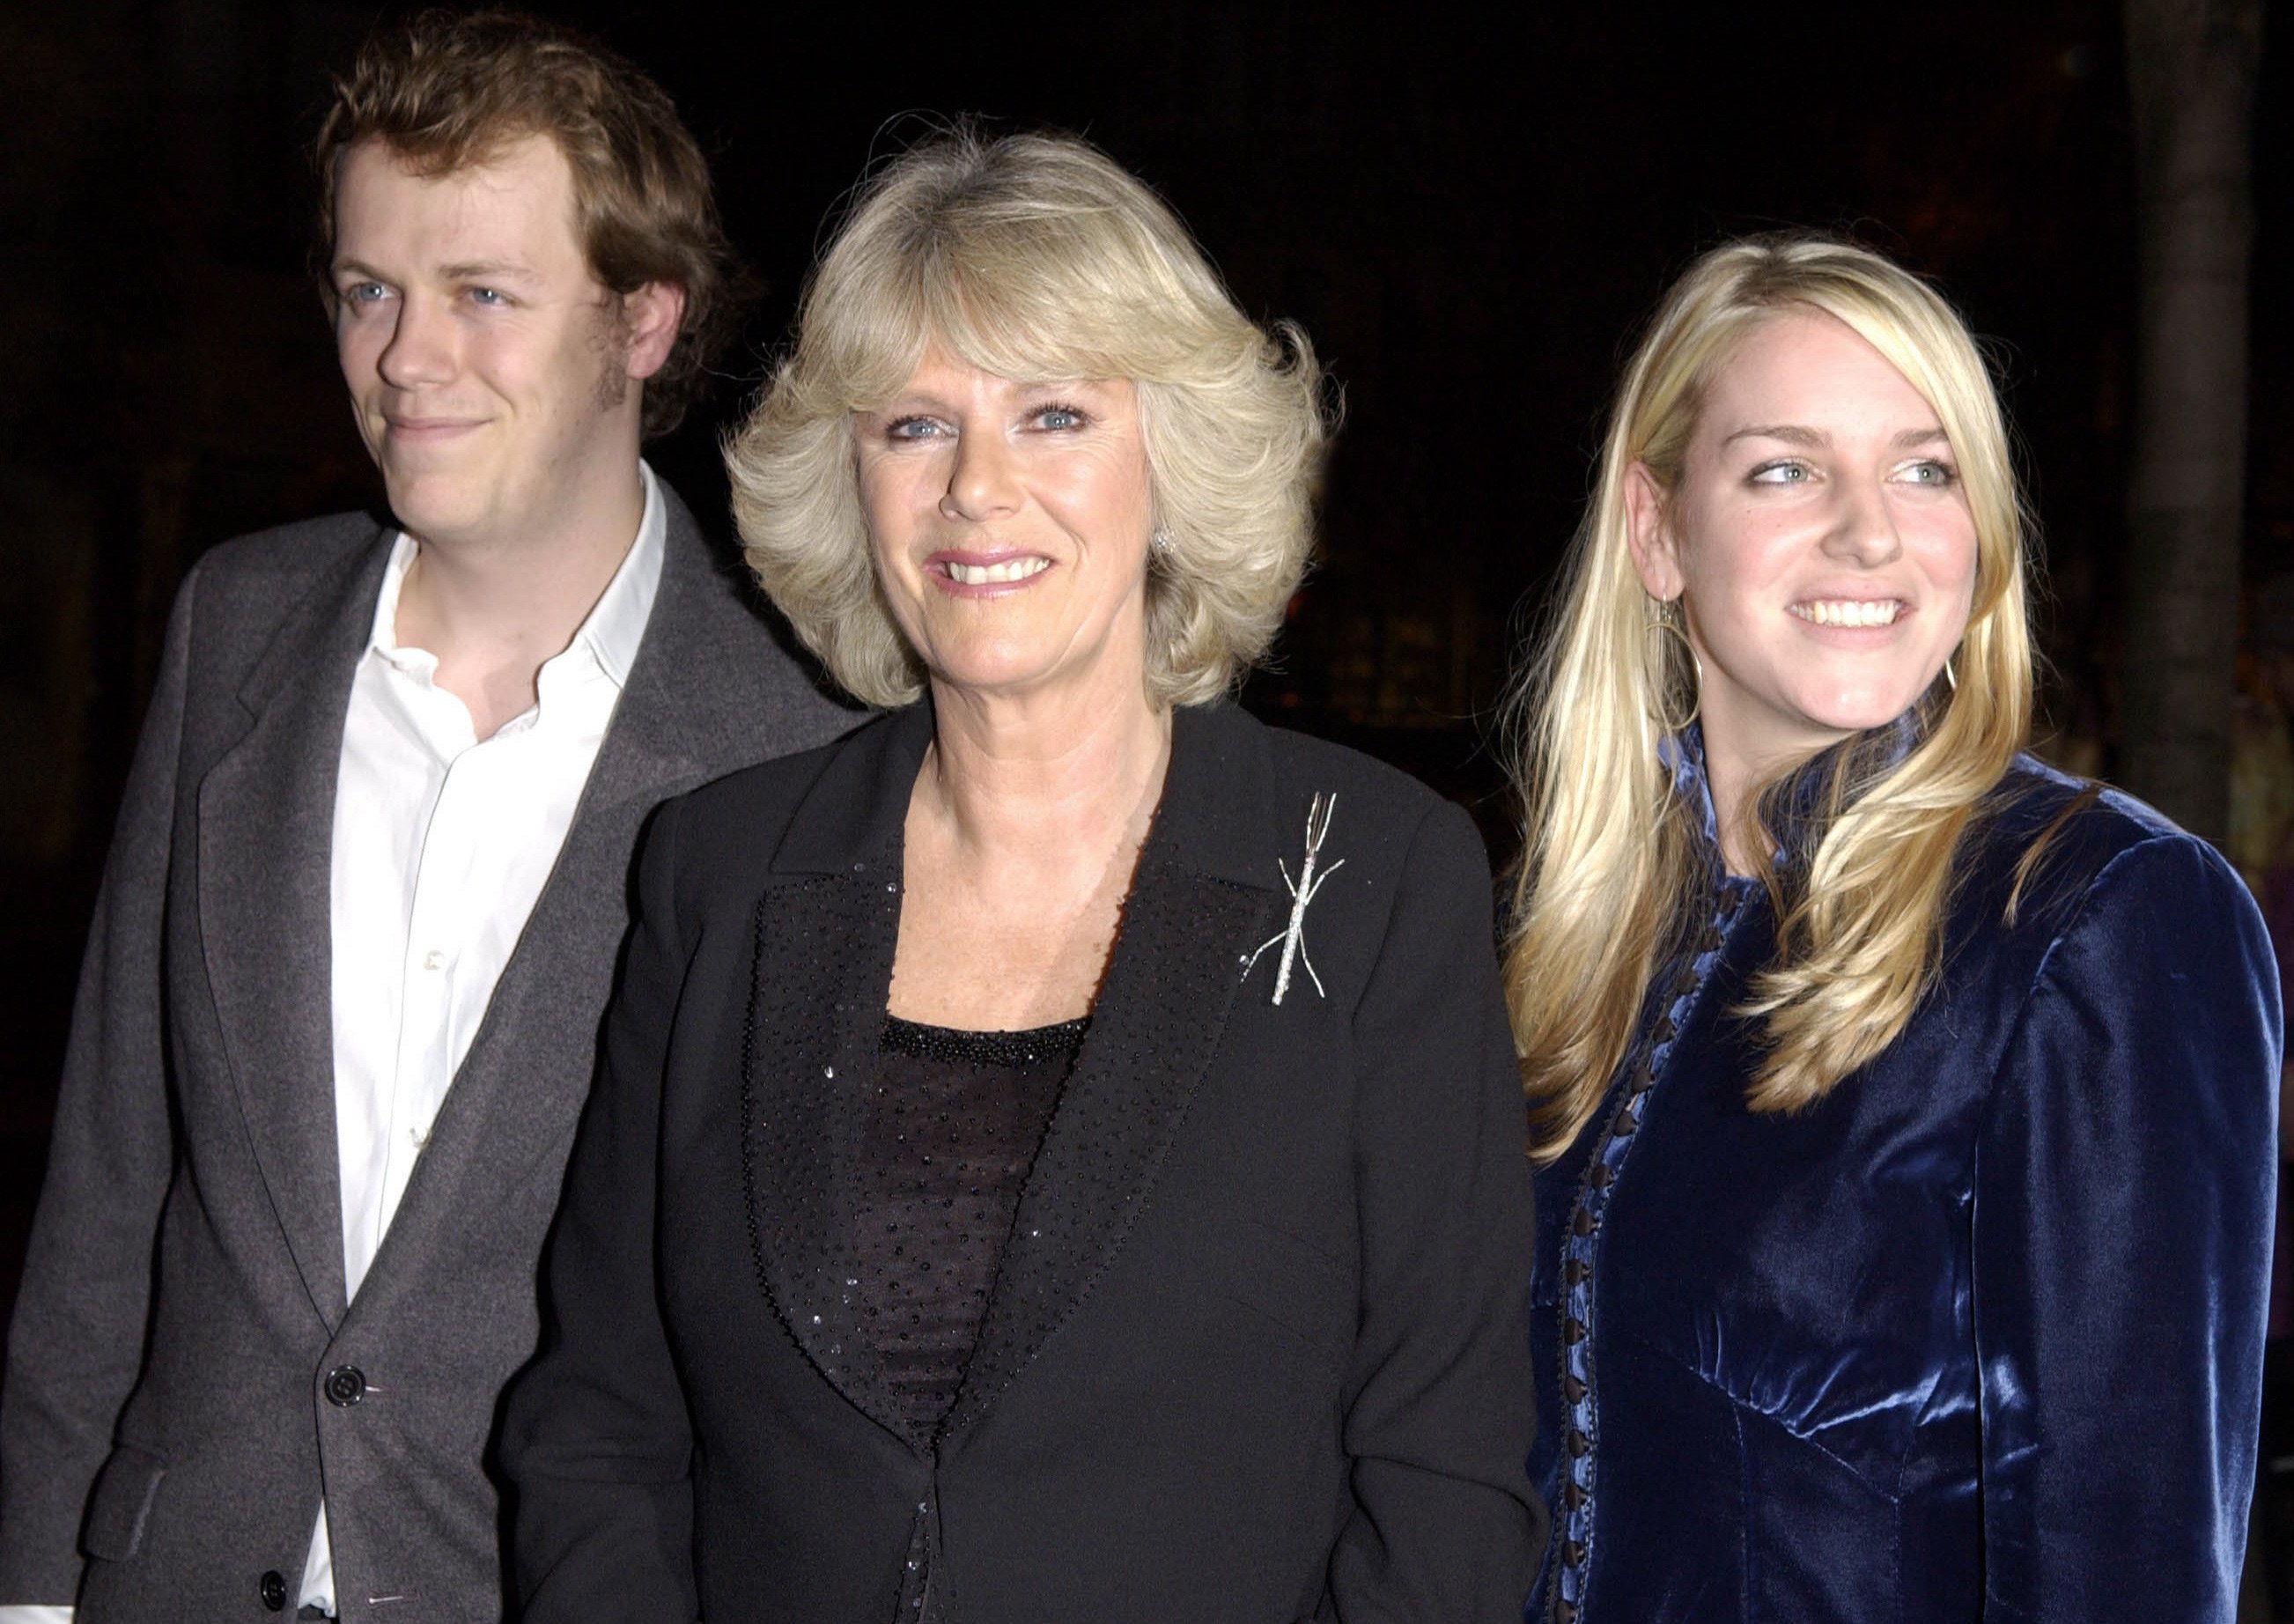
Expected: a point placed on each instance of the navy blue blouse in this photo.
(1977, 1336)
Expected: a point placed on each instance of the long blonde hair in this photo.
(1608, 863)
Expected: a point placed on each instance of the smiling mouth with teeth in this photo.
(994, 575)
(1850, 612)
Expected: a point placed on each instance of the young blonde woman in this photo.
(1904, 1109)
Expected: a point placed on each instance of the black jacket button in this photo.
(273, 1588)
(346, 1385)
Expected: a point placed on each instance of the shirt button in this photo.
(272, 1588)
(346, 1385)
(434, 959)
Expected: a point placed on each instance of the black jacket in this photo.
(1258, 1349)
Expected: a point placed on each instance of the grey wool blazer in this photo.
(184, 1373)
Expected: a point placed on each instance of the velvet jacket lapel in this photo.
(265, 831)
(1203, 895)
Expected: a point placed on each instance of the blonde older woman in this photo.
(1906, 1108)
(1059, 1155)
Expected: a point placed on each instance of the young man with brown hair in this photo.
(336, 1017)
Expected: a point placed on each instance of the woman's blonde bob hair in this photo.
(1609, 869)
(1036, 258)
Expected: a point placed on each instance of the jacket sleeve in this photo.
(2124, 1189)
(1439, 1413)
(75, 1346)
(596, 1438)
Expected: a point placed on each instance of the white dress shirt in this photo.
(442, 844)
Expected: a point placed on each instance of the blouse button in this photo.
(1573, 1331)
(1577, 1271)
(1581, 1225)
(1573, 1389)
(1573, 1495)
(1601, 1175)
(1573, 1552)
(1576, 1443)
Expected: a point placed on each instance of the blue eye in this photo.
(1058, 417)
(489, 297)
(1931, 472)
(1780, 473)
(364, 293)
(911, 429)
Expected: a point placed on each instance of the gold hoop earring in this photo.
(1668, 618)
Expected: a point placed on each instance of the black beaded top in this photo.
(952, 1127)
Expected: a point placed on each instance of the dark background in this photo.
(1469, 212)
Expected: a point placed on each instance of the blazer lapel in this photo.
(1202, 896)
(824, 935)
(518, 1093)
(1205, 893)
(519, 1090)
(265, 829)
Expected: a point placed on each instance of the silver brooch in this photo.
(1293, 935)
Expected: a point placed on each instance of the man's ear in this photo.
(650, 317)
(1649, 535)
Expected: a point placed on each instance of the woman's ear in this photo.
(1656, 555)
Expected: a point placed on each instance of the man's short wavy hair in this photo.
(1038, 258)
(445, 91)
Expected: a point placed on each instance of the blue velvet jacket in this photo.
(1977, 1336)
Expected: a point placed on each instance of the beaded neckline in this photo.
(963, 1046)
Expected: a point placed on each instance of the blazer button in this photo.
(346, 1385)
(273, 1588)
